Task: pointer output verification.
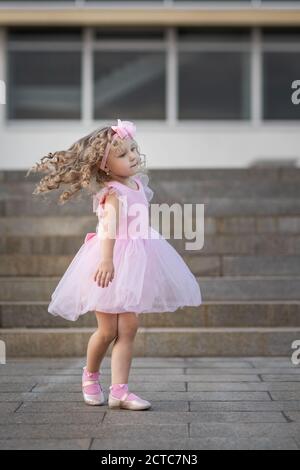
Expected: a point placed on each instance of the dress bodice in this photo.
(134, 207)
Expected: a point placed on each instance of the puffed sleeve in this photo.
(100, 197)
(144, 178)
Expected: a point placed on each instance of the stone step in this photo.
(49, 226)
(223, 206)
(80, 225)
(243, 265)
(260, 265)
(248, 269)
(222, 265)
(210, 314)
(278, 174)
(213, 188)
(225, 288)
(223, 244)
(56, 265)
(155, 342)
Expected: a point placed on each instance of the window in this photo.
(215, 1)
(214, 74)
(124, 1)
(281, 67)
(280, 70)
(127, 70)
(127, 34)
(129, 73)
(44, 74)
(45, 34)
(129, 84)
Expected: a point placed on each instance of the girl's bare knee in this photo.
(127, 326)
(107, 326)
(106, 336)
(127, 333)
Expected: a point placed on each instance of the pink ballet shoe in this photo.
(91, 388)
(119, 397)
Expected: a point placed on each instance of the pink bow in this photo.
(89, 235)
(125, 129)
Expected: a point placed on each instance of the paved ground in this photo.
(197, 403)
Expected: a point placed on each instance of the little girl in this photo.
(117, 276)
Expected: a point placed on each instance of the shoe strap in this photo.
(124, 396)
(90, 382)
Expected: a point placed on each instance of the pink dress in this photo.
(150, 276)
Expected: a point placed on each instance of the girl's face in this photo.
(124, 160)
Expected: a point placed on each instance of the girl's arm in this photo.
(110, 225)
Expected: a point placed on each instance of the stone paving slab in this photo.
(190, 417)
(77, 417)
(197, 403)
(65, 431)
(61, 407)
(8, 408)
(246, 386)
(45, 444)
(160, 372)
(156, 386)
(245, 430)
(293, 416)
(209, 443)
(259, 370)
(261, 406)
(149, 378)
(171, 396)
(286, 395)
(280, 378)
(138, 386)
(16, 387)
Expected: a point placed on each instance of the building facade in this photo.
(209, 83)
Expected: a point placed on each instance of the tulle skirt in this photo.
(150, 276)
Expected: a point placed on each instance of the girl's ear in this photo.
(98, 167)
(106, 169)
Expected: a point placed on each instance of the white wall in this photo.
(2, 106)
(195, 147)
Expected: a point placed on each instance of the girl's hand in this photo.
(105, 273)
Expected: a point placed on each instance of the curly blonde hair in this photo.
(78, 166)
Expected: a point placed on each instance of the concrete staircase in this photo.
(248, 270)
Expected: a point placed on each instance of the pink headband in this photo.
(124, 130)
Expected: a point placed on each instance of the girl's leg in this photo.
(121, 355)
(101, 339)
